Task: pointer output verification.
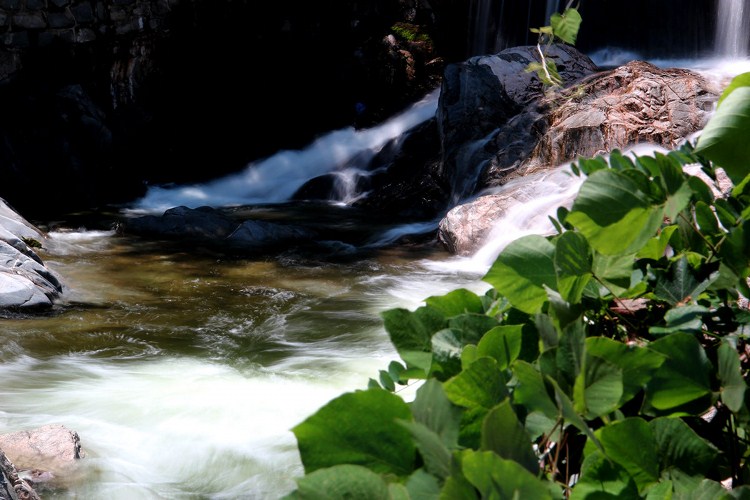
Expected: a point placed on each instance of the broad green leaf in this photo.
(706, 219)
(680, 285)
(569, 357)
(573, 261)
(660, 491)
(506, 436)
(530, 390)
(503, 343)
(482, 384)
(680, 447)
(565, 26)
(613, 214)
(341, 482)
(456, 302)
(741, 80)
(724, 138)
(502, 479)
(598, 388)
(411, 333)
(733, 384)
(398, 491)
(446, 354)
(656, 247)
(457, 486)
(603, 478)
(637, 363)
(615, 271)
(436, 456)
(673, 181)
(341, 433)
(521, 271)
(607, 196)
(432, 408)
(735, 251)
(562, 312)
(688, 319)
(681, 386)
(631, 444)
(471, 327)
(422, 486)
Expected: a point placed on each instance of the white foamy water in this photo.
(276, 178)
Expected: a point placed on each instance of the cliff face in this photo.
(101, 97)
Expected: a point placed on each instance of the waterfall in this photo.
(276, 178)
(732, 29)
(484, 29)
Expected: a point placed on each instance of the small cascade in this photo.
(732, 31)
(276, 178)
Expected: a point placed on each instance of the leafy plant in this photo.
(562, 28)
(607, 360)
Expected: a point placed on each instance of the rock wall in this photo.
(102, 97)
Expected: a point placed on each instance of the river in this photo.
(184, 372)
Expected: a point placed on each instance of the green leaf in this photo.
(411, 334)
(456, 302)
(741, 80)
(733, 384)
(341, 433)
(565, 26)
(688, 319)
(422, 486)
(573, 261)
(569, 413)
(613, 214)
(724, 138)
(436, 456)
(680, 285)
(656, 247)
(504, 434)
(432, 408)
(569, 357)
(521, 271)
(530, 390)
(342, 482)
(503, 343)
(471, 327)
(598, 388)
(680, 447)
(631, 444)
(502, 479)
(706, 219)
(482, 384)
(637, 363)
(603, 478)
(681, 386)
(446, 354)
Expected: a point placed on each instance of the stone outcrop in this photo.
(479, 98)
(635, 104)
(46, 454)
(25, 281)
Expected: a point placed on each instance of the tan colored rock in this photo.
(52, 448)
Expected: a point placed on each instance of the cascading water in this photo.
(732, 32)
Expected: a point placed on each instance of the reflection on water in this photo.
(183, 374)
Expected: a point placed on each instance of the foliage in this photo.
(562, 28)
(607, 360)
(410, 32)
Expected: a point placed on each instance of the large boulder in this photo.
(478, 99)
(635, 104)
